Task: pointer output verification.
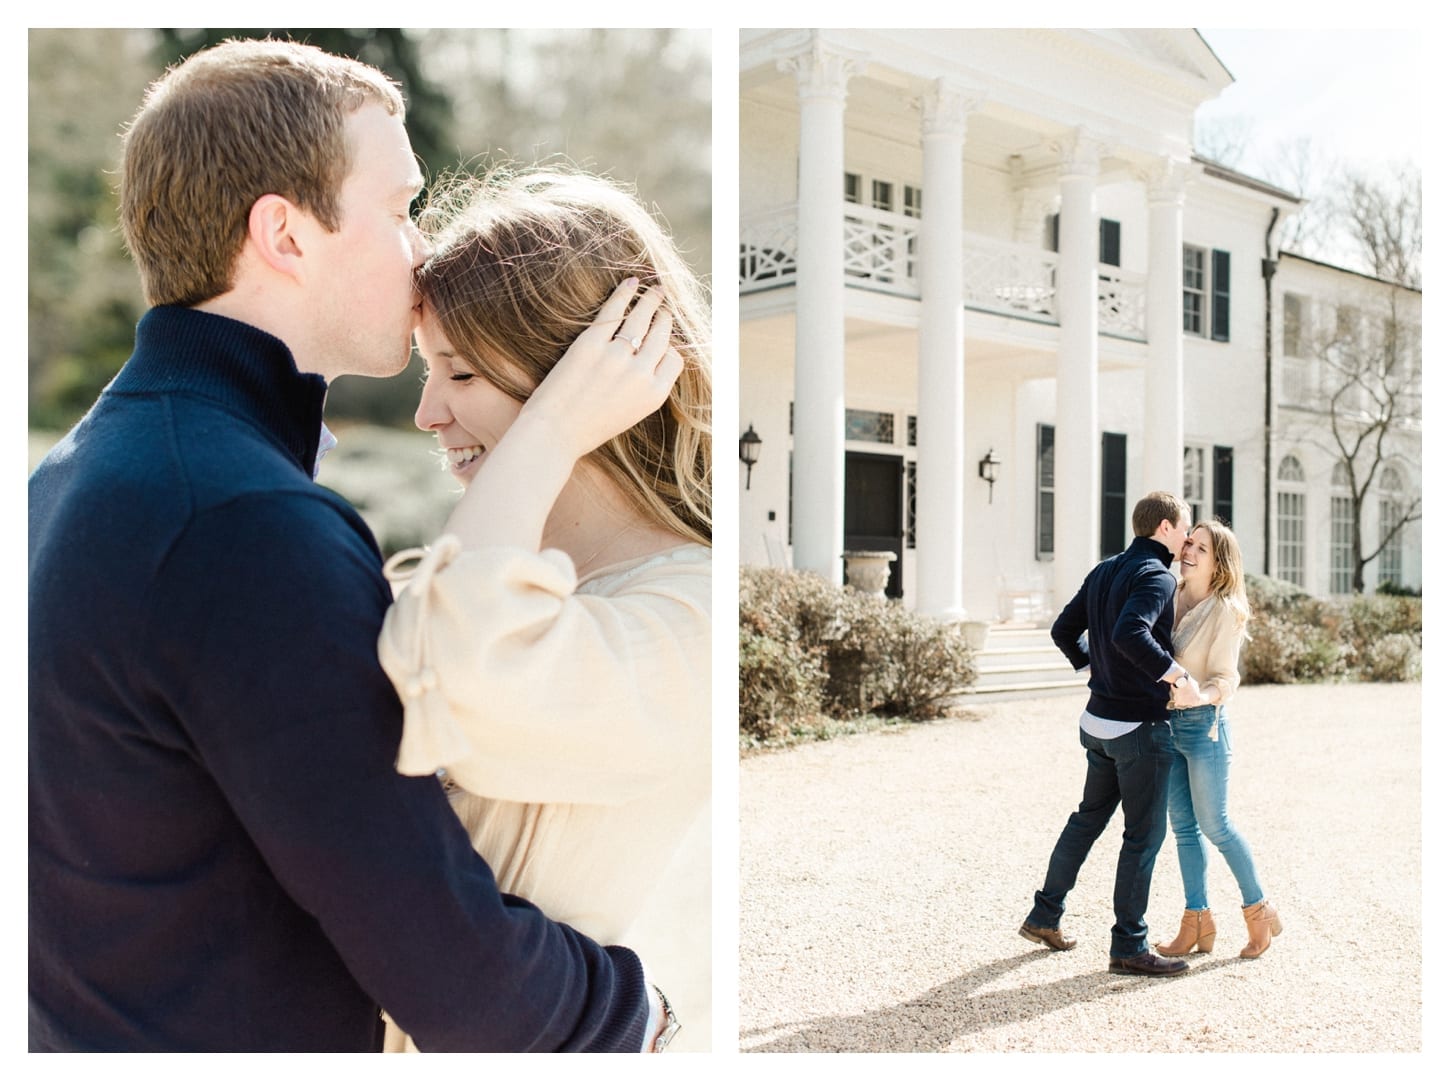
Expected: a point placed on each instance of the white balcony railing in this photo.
(879, 252)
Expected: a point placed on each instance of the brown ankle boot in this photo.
(1264, 924)
(1197, 931)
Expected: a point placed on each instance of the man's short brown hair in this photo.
(1156, 507)
(232, 124)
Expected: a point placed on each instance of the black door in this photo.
(873, 509)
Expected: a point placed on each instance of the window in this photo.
(911, 207)
(1193, 291)
(1392, 507)
(853, 188)
(1044, 491)
(1341, 532)
(1295, 308)
(1195, 487)
(1206, 293)
(1290, 506)
(1113, 535)
(882, 192)
(870, 426)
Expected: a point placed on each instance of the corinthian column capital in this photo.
(946, 106)
(1079, 152)
(822, 70)
(1166, 180)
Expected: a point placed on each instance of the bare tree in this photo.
(1368, 388)
(1384, 216)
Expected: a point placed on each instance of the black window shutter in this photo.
(1045, 483)
(1110, 243)
(1055, 219)
(1113, 530)
(1220, 296)
(1223, 484)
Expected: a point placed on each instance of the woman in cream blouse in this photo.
(552, 648)
(1210, 615)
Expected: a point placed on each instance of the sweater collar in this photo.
(1149, 546)
(243, 369)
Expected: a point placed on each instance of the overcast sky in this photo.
(1357, 93)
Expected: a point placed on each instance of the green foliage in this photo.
(1389, 589)
(1297, 638)
(634, 104)
(809, 647)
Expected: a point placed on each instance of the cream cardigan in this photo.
(1206, 641)
(572, 716)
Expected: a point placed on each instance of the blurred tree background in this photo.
(631, 104)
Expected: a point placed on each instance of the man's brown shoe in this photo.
(1147, 963)
(1050, 937)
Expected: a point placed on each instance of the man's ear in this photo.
(273, 228)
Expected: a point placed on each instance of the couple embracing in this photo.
(272, 807)
(1163, 662)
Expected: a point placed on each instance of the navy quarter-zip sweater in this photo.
(1126, 606)
(222, 856)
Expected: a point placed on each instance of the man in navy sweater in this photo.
(1126, 607)
(222, 856)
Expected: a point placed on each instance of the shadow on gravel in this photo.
(935, 1020)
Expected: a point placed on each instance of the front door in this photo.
(873, 509)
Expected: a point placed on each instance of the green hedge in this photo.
(811, 651)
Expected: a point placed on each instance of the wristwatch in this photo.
(1181, 680)
(672, 1023)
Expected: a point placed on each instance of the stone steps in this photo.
(1021, 661)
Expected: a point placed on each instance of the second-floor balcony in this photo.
(880, 253)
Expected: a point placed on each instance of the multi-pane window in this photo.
(1194, 487)
(1295, 309)
(1206, 293)
(1290, 521)
(882, 192)
(870, 426)
(1045, 489)
(1341, 533)
(1194, 293)
(853, 188)
(1392, 507)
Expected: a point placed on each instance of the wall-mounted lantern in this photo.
(749, 452)
(987, 470)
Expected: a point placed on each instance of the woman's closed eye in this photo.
(460, 377)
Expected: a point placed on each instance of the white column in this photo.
(1163, 381)
(1076, 442)
(940, 426)
(818, 475)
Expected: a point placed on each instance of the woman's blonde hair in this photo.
(522, 263)
(1227, 583)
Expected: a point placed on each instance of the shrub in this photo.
(1295, 637)
(1395, 658)
(855, 653)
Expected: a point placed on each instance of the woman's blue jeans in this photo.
(1198, 805)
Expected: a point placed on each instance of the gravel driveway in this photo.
(884, 876)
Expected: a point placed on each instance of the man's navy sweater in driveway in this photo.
(1126, 606)
(222, 856)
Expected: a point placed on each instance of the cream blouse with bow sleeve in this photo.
(1206, 641)
(572, 717)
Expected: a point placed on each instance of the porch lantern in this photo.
(987, 470)
(749, 452)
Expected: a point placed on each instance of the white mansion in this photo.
(993, 253)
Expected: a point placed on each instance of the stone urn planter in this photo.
(974, 633)
(868, 572)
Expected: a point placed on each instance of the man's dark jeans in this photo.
(1132, 770)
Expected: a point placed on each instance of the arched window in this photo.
(1392, 509)
(1290, 564)
(1341, 531)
